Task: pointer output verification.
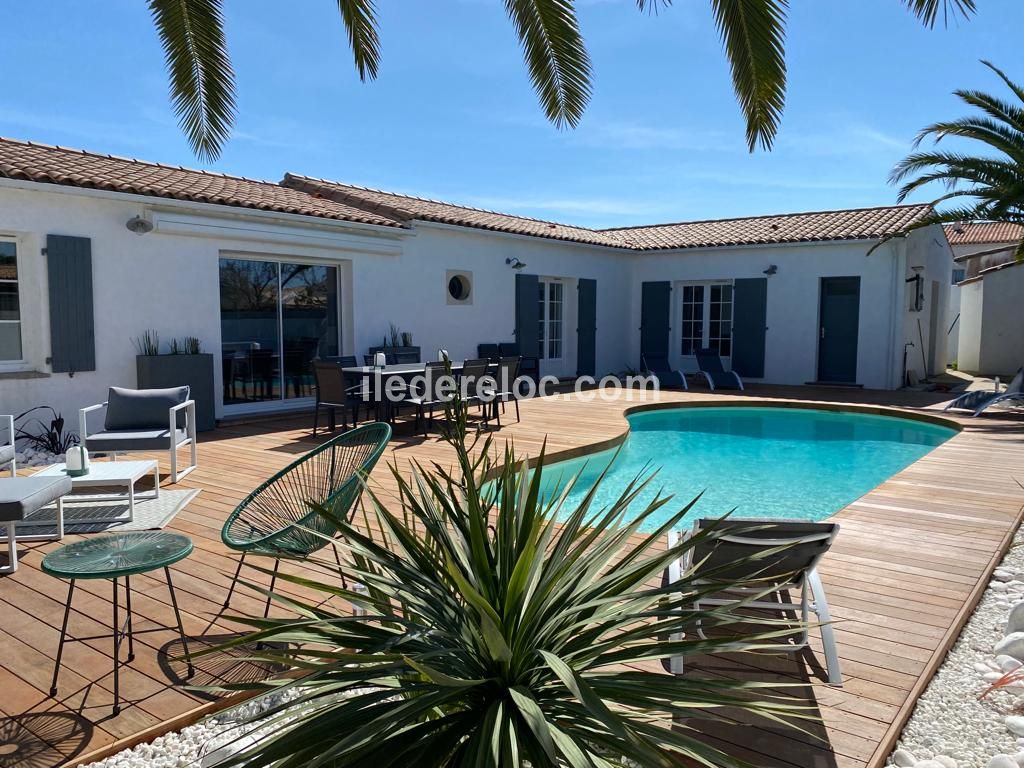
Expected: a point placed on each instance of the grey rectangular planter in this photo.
(160, 371)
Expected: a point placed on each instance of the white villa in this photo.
(95, 250)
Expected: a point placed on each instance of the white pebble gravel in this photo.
(199, 745)
(950, 727)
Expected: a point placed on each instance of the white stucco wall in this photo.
(972, 296)
(927, 254)
(168, 280)
(791, 355)
(1001, 350)
(415, 289)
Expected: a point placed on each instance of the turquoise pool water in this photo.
(762, 462)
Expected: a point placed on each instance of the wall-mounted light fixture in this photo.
(139, 225)
(515, 263)
(772, 269)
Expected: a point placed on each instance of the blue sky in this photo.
(453, 116)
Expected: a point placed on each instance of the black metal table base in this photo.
(120, 631)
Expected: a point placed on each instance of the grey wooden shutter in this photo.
(586, 327)
(72, 329)
(655, 303)
(527, 315)
(749, 323)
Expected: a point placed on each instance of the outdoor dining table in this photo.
(368, 374)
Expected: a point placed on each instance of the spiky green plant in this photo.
(990, 182)
(495, 635)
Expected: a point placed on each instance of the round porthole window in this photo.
(459, 288)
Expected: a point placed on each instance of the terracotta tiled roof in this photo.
(409, 208)
(979, 232)
(77, 168)
(855, 224)
(318, 197)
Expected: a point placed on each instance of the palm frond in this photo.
(928, 10)
(360, 20)
(991, 180)
(202, 81)
(753, 33)
(556, 56)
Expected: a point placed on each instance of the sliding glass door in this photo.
(276, 318)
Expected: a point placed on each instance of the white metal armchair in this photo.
(143, 420)
(8, 456)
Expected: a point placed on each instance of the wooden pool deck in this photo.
(911, 560)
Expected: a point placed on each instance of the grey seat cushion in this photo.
(134, 439)
(143, 408)
(6, 454)
(21, 496)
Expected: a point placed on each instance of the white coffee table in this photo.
(110, 474)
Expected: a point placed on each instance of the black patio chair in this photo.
(333, 392)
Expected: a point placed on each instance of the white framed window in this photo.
(706, 310)
(551, 303)
(11, 349)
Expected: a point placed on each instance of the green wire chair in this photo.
(276, 519)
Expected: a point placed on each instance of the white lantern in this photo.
(379, 359)
(76, 460)
(442, 355)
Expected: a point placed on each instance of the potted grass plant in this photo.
(497, 628)
(183, 362)
(397, 346)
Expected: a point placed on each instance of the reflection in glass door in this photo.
(275, 319)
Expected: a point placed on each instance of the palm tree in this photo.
(753, 34)
(992, 184)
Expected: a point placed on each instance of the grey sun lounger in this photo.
(710, 363)
(978, 400)
(667, 377)
(777, 558)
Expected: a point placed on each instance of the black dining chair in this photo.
(429, 395)
(474, 383)
(505, 389)
(488, 352)
(333, 393)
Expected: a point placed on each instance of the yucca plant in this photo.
(502, 629)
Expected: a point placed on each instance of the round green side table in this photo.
(118, 556)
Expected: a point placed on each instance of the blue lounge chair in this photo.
(667, 378)
(978, 400)
(718, 378)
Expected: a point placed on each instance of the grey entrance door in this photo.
(839, 317)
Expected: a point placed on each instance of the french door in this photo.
(706, 318)
(551, 328)
(276, 317)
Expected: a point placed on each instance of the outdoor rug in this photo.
(150, 514)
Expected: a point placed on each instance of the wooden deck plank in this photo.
(911, 556)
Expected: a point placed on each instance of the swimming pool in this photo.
(763, 462)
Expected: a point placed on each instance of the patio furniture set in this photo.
(288, 516)
(387, 390)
